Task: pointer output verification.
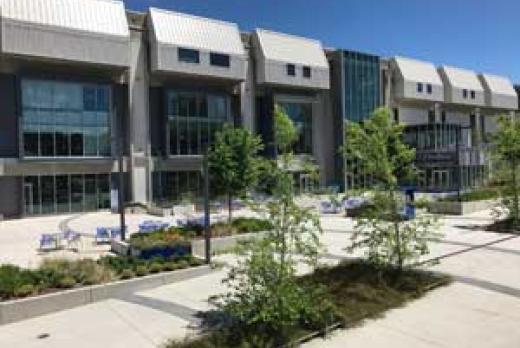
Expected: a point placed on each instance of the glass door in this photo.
(28, 194)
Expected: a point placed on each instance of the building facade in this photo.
(85, 82)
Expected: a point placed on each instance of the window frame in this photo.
(290, 69)
(214, 59)
(183, 53)
(307, 72)
(420, 88)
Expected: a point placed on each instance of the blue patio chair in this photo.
(327, 207)
(115, 232)
(48, 242)
(102, 235)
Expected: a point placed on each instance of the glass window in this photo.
(91, 199)
(291, 70)
(301, 115)
(429, 88)
(48, 194)
(192, 119)
(464, 93)
(187, 55)
(218, 59)
(472, 94)
(62, 119)
(307, 72)
(76, 193)
(62, 193)
(419, 87)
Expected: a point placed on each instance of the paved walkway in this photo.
(481, 309)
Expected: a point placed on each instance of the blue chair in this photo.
(102, 235)
(48, 242)
(115, 232)
(327, 207)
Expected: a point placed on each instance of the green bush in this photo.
(12, 278)
(247, 225)
(160, 239)
(141, 270)
(25, 290)
(480, 194)
(67, 282)
(127, 274)
(155, 267)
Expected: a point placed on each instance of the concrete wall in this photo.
(8, 116)
(11, 197)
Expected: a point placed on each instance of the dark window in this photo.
(431, 116)
(429, 88)
(419, 87)
(188, 56)
(443, 117)
(472, 94)
(291, 70)
(307, 72)
(218, 59)
(396, 115)
(465, 93)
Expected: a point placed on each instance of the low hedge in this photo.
(480, 194)
(55, 274)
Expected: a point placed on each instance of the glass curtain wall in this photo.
(51, 194)
(301, 115)
(361, 96)
(64, 119)
(173, 187)
(193, 119)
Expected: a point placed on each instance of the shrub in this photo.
(246, 225)
(182, 264)
(155, 267)
(141, 270)
(67, 282)
(25, 290)
(170, 266)
(127, 274)
(86, 272)
(12, 278)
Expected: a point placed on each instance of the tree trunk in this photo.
(230, 207)
(396, 218)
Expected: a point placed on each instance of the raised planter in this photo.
(459, 208)
(22, 309)
(222, 244)
(161, 212)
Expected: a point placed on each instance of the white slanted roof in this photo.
(172, 30)
(462, 78)
(291, 49)
(462, 86)
(201, 33)
(417, 70)
(499, 91)
(410, 74)
(91, 31)
(274, 51)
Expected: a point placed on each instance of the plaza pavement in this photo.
(480, 309)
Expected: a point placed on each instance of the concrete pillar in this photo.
(247, 97)
(437, 112)
(139, 119)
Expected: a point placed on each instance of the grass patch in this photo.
(357, 290)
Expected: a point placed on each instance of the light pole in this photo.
(207, 226)
(120, 197)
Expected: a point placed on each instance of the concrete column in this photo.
(437, 112)
(139, 119)
(247, 97)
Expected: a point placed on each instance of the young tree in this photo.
(234, 162)
(506, 148)
(266, 299)
(377, 147)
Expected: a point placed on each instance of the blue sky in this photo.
(483, 35)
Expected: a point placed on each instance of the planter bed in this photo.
(459, 208)
(183, 241)
(358, 291)
(21, 309)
